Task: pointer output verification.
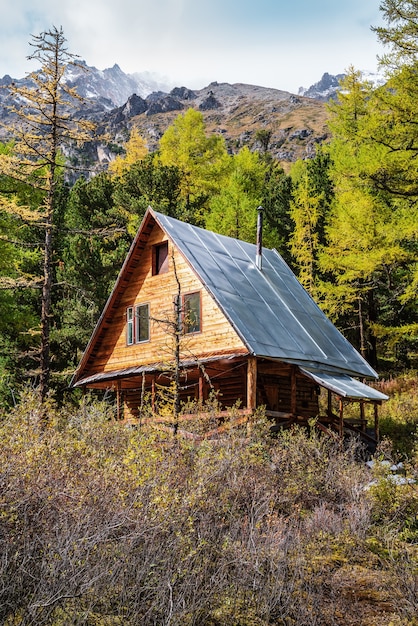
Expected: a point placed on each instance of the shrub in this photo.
(104, 524)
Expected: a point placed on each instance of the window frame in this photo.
(133, 325)
(130, 326)
(137, 324)
(160, 266)
(189, 328)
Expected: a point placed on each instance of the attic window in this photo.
(160, 258)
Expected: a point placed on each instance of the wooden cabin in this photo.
(249, 333)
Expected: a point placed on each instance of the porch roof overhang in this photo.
(107, 378)
(344, 385)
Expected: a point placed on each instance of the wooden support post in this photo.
(141, 405)
(341, 422)
(153, 393)
(329, 408)
(84, 390)
(252, 383)
(201, 390)
(362, 416)
(376, 422)
(118, 401)
(293, 406)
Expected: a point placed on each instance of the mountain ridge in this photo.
(118, 102)
(236, 111)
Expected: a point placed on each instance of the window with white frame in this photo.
(137, 324)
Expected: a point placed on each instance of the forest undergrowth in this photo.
(104, 524)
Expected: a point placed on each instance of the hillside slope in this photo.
(297, 124)
(117, 102)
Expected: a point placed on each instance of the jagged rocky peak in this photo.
(329, 85)
(115, 70)
(164, 104)
(209, 103)
(135, 105)
(6, 80)
(325, 89)
(111, 83)
(183, 93)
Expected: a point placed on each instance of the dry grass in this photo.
(107, 525)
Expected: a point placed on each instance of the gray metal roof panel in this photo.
(344, 385)
(269, 308)
(128, 372)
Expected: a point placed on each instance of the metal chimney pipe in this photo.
(259, 255)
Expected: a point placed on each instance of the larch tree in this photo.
(135, 150)
(233, 211)
(45, 123)
(400, 34)
(371, 251)
(395, 128)
(311, 201)
(351, 259)
(201, 159)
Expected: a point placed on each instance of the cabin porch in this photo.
(289, 394)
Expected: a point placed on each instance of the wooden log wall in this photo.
(280, 387)
(227, 379)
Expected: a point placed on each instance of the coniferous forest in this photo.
(104, 525)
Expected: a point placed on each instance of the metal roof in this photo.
(268, 307)
(129, 372)
(344, 385)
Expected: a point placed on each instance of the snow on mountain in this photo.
(112, 87)
(328, 86)
(375, 78)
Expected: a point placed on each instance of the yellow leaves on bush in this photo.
(119, 523)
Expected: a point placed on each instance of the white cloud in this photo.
(271, 42)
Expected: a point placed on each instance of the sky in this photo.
(283, 44)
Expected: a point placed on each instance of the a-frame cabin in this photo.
(250, 332)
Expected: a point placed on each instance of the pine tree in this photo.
(148, 183)
(275, 200)
(45, 123)
(311, 201)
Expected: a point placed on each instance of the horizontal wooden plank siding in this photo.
(216, 336)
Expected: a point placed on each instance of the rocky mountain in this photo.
(117, 102)
(328, 86)
(103, 90)
(325, 89)
(112, 87)
(296, 124)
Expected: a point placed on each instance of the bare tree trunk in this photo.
(46, 314)
(361, 327)
(177, 346)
